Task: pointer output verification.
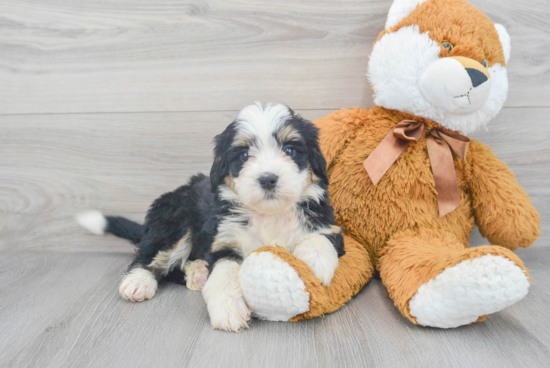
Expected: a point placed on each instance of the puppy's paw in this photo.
(224, 298)
(138, 285)
(319, 253)
(196, 274)
(229, 313)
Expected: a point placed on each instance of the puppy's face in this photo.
(268, 159)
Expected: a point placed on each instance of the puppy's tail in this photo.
(96, 223)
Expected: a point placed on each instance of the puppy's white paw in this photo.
(196, 274)
(223, 295)
(229, 313)
(319, 253)
(138, 285)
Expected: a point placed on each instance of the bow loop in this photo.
(439, 143)
(412, 127)
(457, 142)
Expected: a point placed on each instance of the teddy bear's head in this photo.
(443, 60)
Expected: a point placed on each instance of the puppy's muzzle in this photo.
(268, 181)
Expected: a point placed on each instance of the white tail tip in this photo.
(93, 221)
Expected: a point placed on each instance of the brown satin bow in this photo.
(439, 143)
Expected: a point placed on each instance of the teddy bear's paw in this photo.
(272, 288)
(471, 289)
(138, 285)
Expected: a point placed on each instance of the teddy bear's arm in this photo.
(503, 211)
(337, 130)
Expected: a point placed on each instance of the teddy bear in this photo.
(408, 185)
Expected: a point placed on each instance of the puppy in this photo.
(267, 186)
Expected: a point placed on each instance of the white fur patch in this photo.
(272, 288)
(180, 254)
(138, 285)
(505, 41)
(319, 254)
(401, 9)
(259, 122)
(223, 296)
(396, 65)
(461, 294)
(252, 230)
(93, 221)
(314, 192)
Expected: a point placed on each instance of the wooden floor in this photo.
(107, 104)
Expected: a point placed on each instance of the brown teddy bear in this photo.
(408, 186)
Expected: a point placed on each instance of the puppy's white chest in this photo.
(284, 230)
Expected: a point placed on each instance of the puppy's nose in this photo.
(268, 181)
(476, 76)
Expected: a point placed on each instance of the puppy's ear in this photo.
(310, 134)
(220, 167)
(317, 160)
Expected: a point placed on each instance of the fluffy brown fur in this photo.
(397, 220)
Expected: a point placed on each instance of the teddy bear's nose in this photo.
(476, 76)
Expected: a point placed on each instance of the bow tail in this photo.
(443, 168)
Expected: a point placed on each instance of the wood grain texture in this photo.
(63, 310)
(175, 55)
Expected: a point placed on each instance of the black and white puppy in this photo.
(267, 186)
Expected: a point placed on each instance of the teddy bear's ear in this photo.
(504, 40)
(400, 9)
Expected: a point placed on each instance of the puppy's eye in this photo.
(449, 46)
(484, 63)
(244, 156)
(290, 151)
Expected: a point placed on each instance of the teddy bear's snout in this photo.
(457, 84)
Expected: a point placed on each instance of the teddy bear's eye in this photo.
(449, 46)
(484, 63)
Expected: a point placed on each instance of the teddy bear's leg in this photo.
(435, 281)
(280, 287)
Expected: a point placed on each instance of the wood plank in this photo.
(53, 166)
(63, 310)
(169, 55)
(36, 288)
(46, 315)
